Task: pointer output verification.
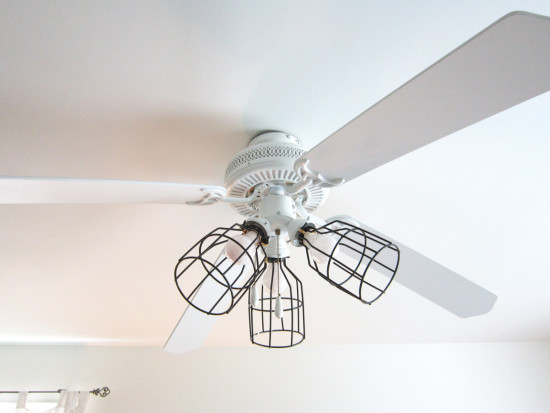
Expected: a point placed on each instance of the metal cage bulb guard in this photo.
(276, 307)
(356, 261)
(215, 273)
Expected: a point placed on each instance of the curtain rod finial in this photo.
(103, 392)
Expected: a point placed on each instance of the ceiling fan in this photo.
(277, 185)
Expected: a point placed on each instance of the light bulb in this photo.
(323, 246)
(240, 245)
(277, 286)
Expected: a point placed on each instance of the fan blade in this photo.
(23, 190)
(191, 331)
(442, 286)
(437, 283)
(504, 65)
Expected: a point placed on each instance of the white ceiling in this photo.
(169, 91)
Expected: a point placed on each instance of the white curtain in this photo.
(69, 402)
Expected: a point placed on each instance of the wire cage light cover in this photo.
(356, 261)
(214, 274)
(267, 328)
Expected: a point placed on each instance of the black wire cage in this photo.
(214, 274)
(276, 307)
(352, 259)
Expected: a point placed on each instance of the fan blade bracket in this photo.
(309, 177)
(211, 195)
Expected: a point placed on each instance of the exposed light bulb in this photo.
(240, 245)
(323, 246)
(278, 286)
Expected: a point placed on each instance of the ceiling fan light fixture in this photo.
(276, 315)
(356, 261)
(226, 262)
(276, 183)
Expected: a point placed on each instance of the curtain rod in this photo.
(101, 392)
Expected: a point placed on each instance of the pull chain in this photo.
(277, 233)
(279, 313)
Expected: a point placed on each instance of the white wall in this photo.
(508, 377)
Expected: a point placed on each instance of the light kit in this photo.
(218, 270)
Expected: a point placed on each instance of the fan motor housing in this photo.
(269, 158)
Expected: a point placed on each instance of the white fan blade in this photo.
(22, 190)
(442, 286)
(191, 331)
(437, 283)
(504, 65)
